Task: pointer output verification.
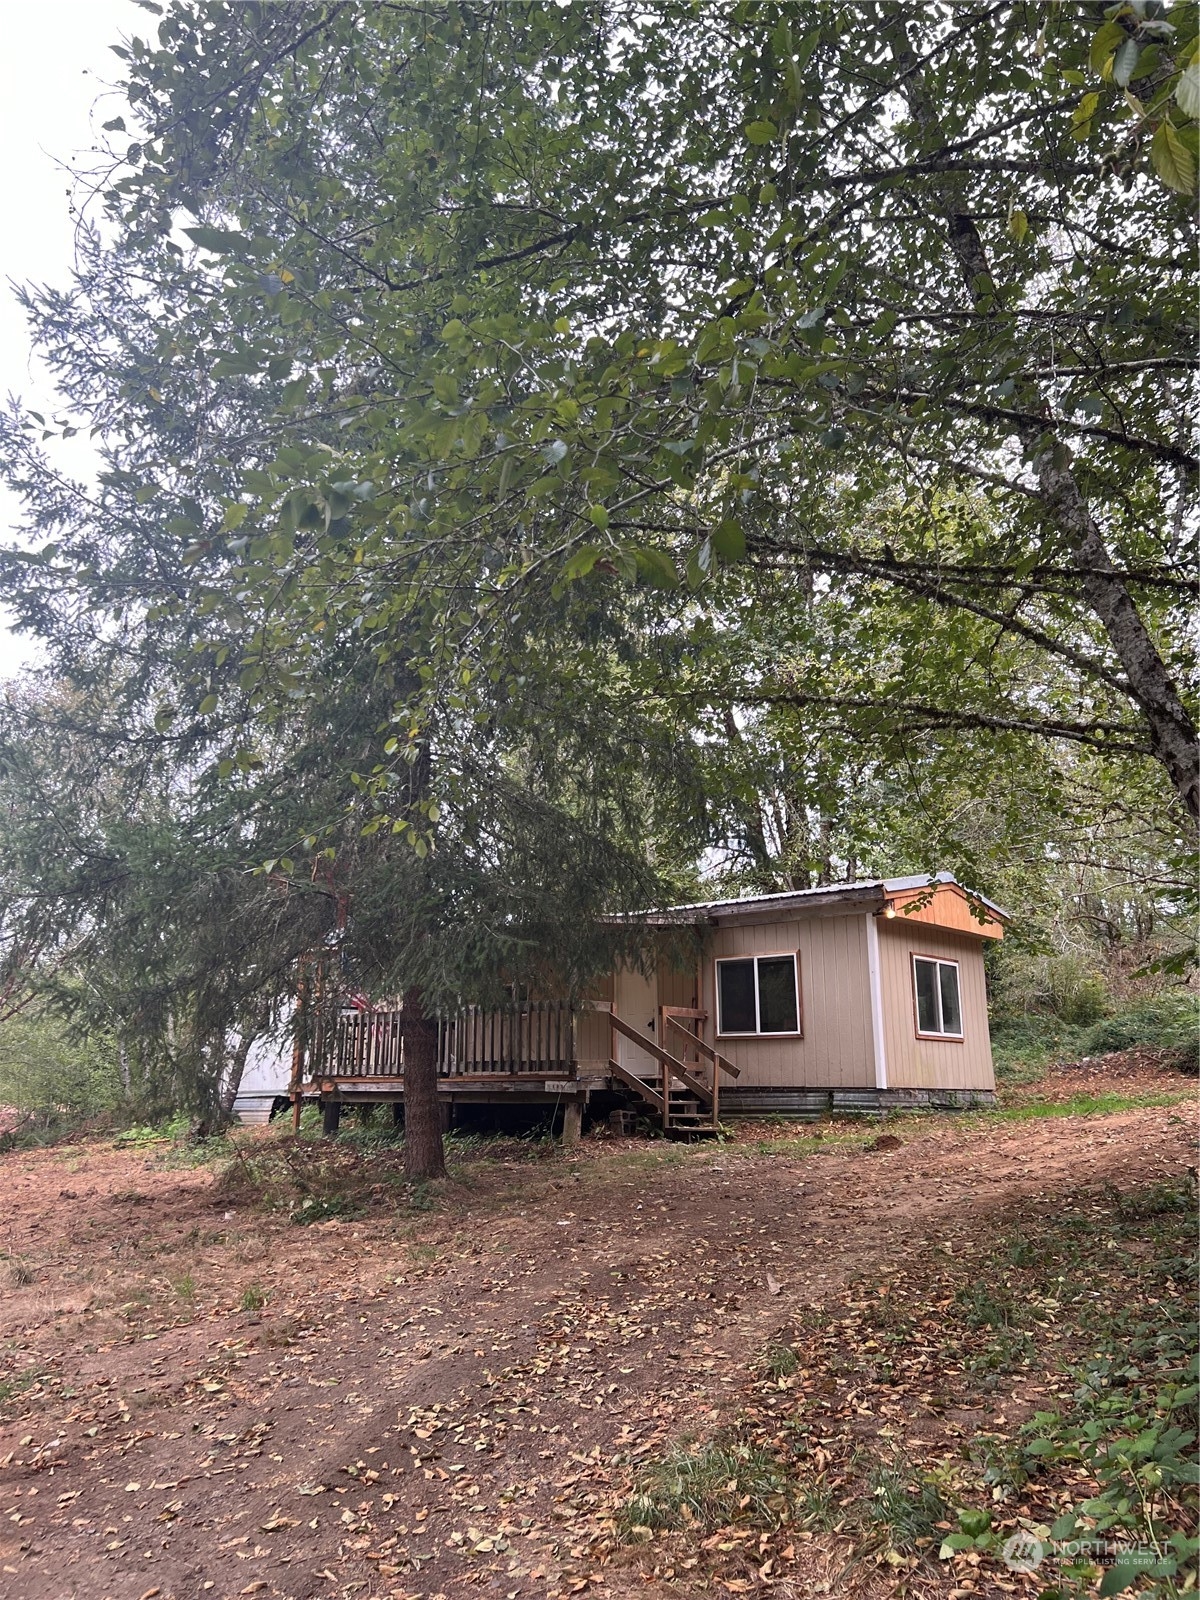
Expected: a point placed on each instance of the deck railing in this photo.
(366, 1044)
(534, 1037)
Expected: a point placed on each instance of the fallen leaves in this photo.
(277, 1521)
(554, 1377)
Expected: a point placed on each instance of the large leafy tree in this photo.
(484, 298)
(512, 359)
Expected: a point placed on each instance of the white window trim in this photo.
(936, 961)
(756, 957)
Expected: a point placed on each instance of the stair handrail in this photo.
(664, 1058)
(715, 1056)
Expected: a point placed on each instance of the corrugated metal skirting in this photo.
(812, 1104)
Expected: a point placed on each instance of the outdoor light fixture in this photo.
(889, 910)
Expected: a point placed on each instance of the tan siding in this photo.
(836, 1050)
(677, 986)
(914, 1063)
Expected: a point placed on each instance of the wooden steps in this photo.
(684, 1115)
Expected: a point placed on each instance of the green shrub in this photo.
(324, 1207)
(1061, 986)
(1169, 1022)
(1022, 1046)
(54, 1077)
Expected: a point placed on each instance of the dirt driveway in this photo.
(440, 1402)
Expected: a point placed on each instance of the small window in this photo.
(758, 994)
(939, 1008)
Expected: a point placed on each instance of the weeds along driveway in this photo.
(447, 1400)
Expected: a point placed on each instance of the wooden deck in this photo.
(525, 1052)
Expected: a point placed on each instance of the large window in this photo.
(939, 1006)
(758, 994)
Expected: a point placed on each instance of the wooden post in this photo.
(298, 1031)
(397, 1113)
(572, 1123)
(331, 1116)
(661, 1037)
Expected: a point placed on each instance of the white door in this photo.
(636, 1000)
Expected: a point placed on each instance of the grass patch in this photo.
(704, 1487)
(904, 1508)
(829, 1139)
(779, 1361)
(1085, 1105)
(20, 1272)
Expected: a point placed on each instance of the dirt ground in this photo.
(202, 1401)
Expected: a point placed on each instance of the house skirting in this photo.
(812, 1104)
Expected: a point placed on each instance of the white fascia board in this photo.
(875, 979)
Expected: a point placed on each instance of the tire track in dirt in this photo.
(398, 1423)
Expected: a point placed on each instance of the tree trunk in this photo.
(753, 828)
(233, 1078)
(1173, 735)
(1172, 732)
(424, 1155)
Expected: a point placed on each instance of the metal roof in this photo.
(866, 889)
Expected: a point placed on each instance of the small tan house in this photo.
(860, 996)
(866, 994)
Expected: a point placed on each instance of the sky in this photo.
(54, 69)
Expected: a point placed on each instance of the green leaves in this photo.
(1139, 46)
(1187, 91)
(1124, 61)
(581, 562)
(1107, 40)
(218, 241)
(657, 568)
(1174, 161)
(729, 540)
(1084, 115)
(484, 425)
(1018, 224)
